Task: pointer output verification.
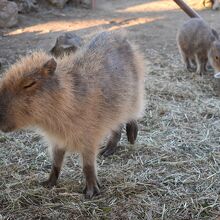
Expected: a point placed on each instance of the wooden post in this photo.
(189, 11)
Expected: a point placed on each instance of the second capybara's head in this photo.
(214, 55)
(66, 43)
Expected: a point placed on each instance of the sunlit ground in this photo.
(163, 5)
(74, 25)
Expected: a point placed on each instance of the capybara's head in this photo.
(66, 43)
(24, 90)
(214, 55)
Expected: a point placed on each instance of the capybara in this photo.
(198, 44)
(66, 43)
(76, 100)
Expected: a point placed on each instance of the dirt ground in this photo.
(172, 172)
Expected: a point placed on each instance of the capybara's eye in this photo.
(216, 57)
(29, 85)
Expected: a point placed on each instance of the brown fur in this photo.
(66, 43)
(214, 55)
(196, 42)
(76, 100)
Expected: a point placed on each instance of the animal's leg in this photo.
(132, 131)
(193, 64)
(89, 169)
(112, 142)
(201, 64)
(57, 157)
(186, 61)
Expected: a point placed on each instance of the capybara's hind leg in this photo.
(192, 64)
(186, 61)
(132, 131)
(112, 142)
(201, 64)
(57, 156)
(89, 168)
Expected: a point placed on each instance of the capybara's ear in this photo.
(48, 68)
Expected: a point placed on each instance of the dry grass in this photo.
(171, 173)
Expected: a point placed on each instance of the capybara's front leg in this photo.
(89, 168)
(57, 157)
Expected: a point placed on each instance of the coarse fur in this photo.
(198, 44)
(66, 43)
(76, 100)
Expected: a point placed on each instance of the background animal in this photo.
(198, 43)
(66, 43)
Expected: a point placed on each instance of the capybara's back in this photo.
(113, 66)
(76, 100)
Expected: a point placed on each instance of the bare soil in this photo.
(173, 170)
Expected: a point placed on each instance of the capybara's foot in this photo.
(48, 184)
(108, 150)
(91, 190)
(191, 69)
